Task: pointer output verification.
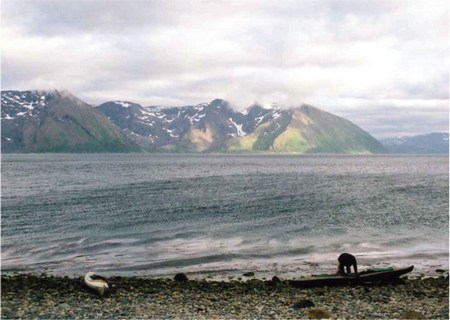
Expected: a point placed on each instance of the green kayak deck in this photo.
(372, 275)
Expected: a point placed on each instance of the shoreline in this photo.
(44, 296)
(421, 271)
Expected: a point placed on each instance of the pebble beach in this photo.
(26, 296)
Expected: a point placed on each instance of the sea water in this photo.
(157, 214)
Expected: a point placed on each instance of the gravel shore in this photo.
(49, 297)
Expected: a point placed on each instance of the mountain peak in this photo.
(309, 108)
(56, 121)
(124, 104)
(218, 103)
(24, 104)
(256, 107)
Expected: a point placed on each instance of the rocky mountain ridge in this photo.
(217, 127)
(432, 143)
(56, 121)
(188, 128)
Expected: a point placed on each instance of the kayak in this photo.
(371, 275)
(96, 282)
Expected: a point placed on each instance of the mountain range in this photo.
(217, 127)
(57, 121)
(432, 143)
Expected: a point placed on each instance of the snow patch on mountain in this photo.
(199, 114)
(123, 104)
(276, 114)
(26, 103)
(240, 132)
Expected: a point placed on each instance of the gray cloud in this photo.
(53, 17)
(348, 57)
(387, 118)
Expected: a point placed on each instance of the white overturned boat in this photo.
(96, 282)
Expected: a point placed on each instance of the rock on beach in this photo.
(48, 297)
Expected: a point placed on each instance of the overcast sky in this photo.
(382, 64)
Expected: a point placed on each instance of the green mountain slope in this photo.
(63, 123)
(308, 130)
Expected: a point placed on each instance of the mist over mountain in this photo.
(432, 143)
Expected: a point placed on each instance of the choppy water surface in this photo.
(152, 214)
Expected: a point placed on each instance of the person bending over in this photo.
(346, 260)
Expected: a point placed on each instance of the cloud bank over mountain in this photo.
(381, 64)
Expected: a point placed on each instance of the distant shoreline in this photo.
(235, 154)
